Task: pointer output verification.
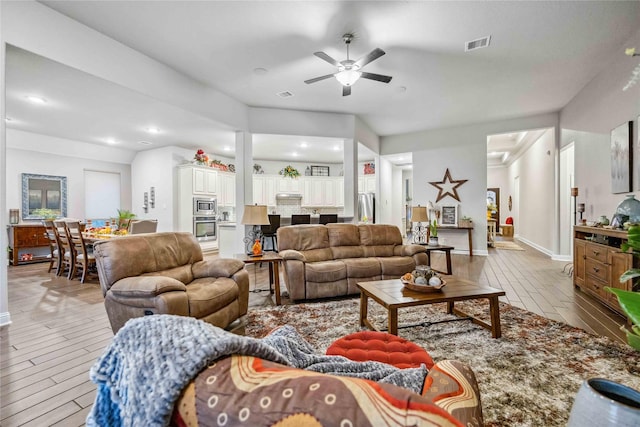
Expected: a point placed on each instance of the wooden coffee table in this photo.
(392, 295)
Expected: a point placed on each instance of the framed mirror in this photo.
(43, 196)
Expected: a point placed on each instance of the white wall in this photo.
(588, 120)
(463, 162)
(567, 208)
(29, 161)
(274, 167)
(535, 220)
(5, 317)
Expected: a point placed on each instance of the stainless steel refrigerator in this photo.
(367, 207)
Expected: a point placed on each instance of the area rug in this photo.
(529, 377)
(511, 246)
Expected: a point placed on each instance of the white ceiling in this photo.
(504, 148)
(541, 55)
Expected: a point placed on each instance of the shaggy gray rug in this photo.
(529, 377)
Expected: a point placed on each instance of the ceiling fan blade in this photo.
(317, 79)
(346, 90)
(327, 58)
(377, 77)
(371, 56)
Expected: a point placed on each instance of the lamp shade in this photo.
(348, 77)
(255, 215)
(419, 214)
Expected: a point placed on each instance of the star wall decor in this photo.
(448, 186)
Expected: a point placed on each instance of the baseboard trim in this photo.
(5, 319)
(537, 247)
(564, 258)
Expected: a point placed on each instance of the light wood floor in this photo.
(60, 327)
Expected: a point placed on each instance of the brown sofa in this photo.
(164, 273)
(328, 260)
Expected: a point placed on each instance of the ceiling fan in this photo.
(349, 71)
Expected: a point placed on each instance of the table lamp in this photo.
(255, 215)
(419, 215)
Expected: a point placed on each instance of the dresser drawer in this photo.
(597, 252)
(596, 286)
(597, 269)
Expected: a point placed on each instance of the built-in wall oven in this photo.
(204, 228)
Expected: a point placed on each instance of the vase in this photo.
(630, 207)
(602, 403)
(433, 241)
(256, 249)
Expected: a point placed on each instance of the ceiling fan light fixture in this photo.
(348, 77)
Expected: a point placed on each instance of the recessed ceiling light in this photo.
(226, 148)
(336, 148)
(401, 89)
(111, 141)
(260, 71)
(304, 144)
(36, 99)
(145, 142)
(153, 130)
(294, 154)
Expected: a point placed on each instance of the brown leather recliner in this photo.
(164, 273)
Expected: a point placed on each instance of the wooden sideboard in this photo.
(598, 261)
(28, 238)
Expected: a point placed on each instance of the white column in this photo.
(244, 183)
(5, 317)
(350, 178)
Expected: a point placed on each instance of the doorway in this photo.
(493, 206)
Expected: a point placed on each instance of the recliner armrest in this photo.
(146, 286)
(221, 267)
(290, 254)
(408, 250)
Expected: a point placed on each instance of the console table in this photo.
(598, 261)
(469, 230)
(28, 236)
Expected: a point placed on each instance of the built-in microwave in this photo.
(204, 228)
(204, 206)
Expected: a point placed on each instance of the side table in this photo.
(271, 258)
(442, 248)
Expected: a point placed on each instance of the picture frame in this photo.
(319, 170)
(622, 158)
(449, 216)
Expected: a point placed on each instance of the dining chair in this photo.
(68, 258)
(143, 226)
(84, 259)
(327, 218)
(300, 219)
(54, 246)
(269, 231)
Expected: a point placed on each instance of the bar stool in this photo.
(328, 218)
(269, 231)
(300, 219)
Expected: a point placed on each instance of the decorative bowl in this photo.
(422, 288)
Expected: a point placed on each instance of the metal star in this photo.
(448, 186)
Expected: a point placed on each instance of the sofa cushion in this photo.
(326, 271)
(343, 235)
(183, 273)
(340, 252)
(396, 266)
(362, 267)
(317, 255)
(378, 250)
(243, 390)
(379, 234)
(210, 294)
(302, 237)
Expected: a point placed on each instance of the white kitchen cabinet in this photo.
(320, 191)
(339, 186)
(265, 189)
(205, 180)
(367, 183)
(289, 185)
(227, 189)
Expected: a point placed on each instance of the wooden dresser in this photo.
(28, 239)
(598, 261)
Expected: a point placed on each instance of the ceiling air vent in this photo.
(477, 44)
(285, 94)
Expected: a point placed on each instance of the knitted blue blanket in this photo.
(151, 359)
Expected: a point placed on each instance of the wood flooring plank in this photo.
(58, 414)
(86, 400)
(77, 419)
(11, 395)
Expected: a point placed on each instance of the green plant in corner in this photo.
(630, 301)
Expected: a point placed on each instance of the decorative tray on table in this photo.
(409, 284)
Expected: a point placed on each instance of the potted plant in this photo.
(124, 218)
(47, 214)
(433, 233)
(290, 172)
(630, 301)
